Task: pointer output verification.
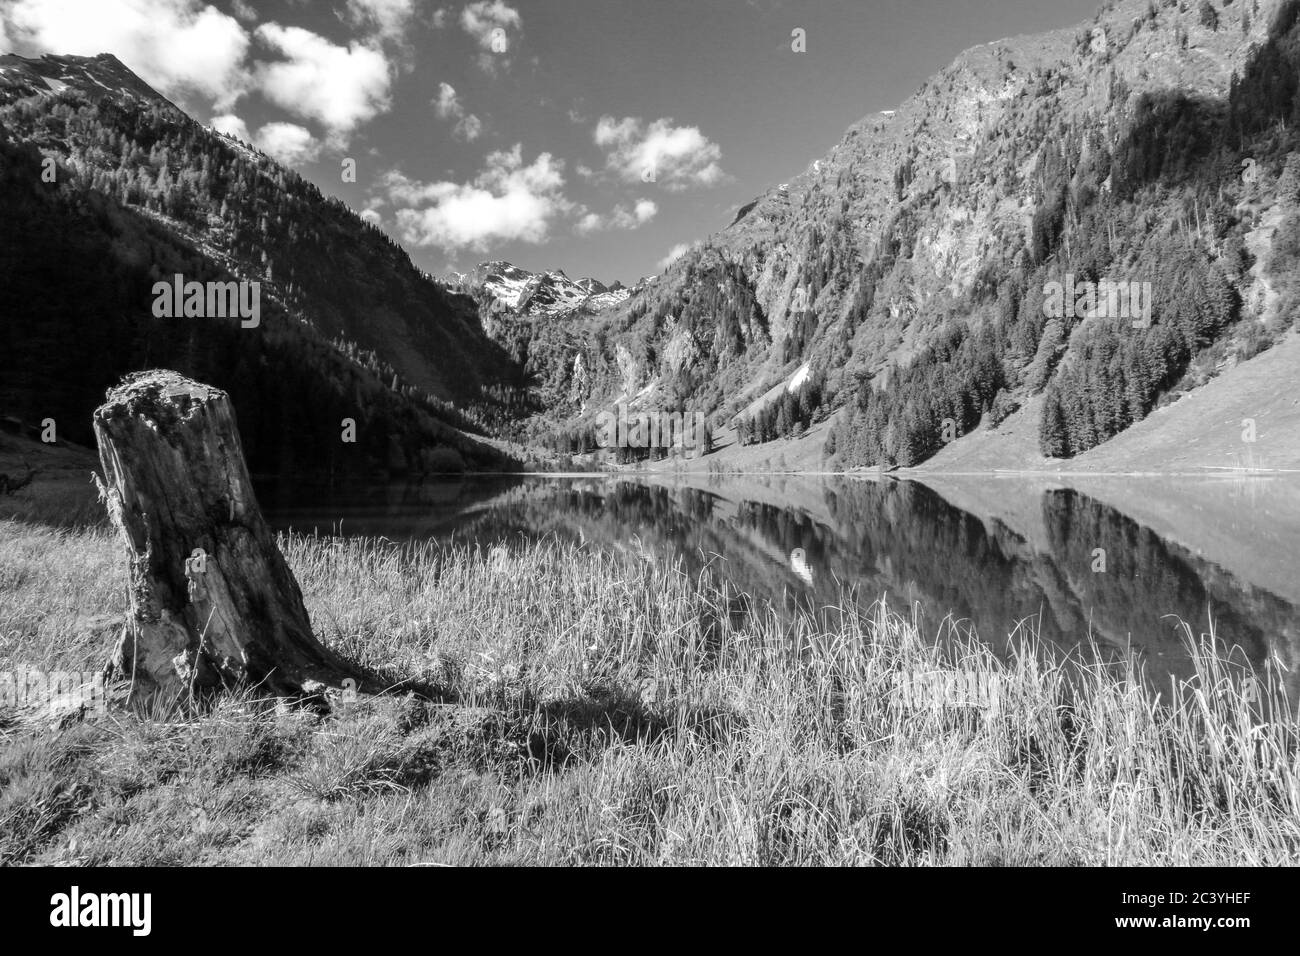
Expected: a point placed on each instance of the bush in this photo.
(1286, 247)
(1254, 339)
(1003, 406)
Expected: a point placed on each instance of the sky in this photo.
(596, 136)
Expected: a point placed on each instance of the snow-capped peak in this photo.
(511, 288)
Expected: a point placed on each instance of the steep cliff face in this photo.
(907, 269)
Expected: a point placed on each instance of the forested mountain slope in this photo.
(108, 188)
(902, 279)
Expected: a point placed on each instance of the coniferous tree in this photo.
(1053, 439)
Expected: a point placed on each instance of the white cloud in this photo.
(6, 45)
(447, 104)
(644, 210)
(439, 18)
(389, 18)
(675, 157)
(675, 253)
(506, 202)
(449, 107)
(620, 218)
(288, 143)
(341, 87)
(487, 20)
(244, 11)
(232, 125)
(469, 128)
(371, 216)
(177, 46)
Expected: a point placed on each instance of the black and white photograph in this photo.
(679, 434)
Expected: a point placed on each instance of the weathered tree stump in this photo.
(213, 603)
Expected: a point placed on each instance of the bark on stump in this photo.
(213, 603)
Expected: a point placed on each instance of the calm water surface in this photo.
(1126, 561)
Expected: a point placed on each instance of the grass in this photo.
(596, 710)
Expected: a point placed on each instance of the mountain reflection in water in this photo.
(985, 554)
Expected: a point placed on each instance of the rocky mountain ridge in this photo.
(906, 268)
(504, 288)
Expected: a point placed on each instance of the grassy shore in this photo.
(603, 711)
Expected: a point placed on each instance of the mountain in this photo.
(899, 286)
(103, 74)
(109, 188)
(502, 288)
(888, 302)
(544, 322)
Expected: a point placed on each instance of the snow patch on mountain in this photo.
(93, 75)
(502, 286)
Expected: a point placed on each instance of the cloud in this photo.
(244, 11)
(177, 46)
(449, 107)
(288, 143)
(469, 128)
(340, 87)
(675, 253)
(620, 218)
(439, 18)
(388, 18)
(447, 104)
(506, 202)
(644, 210)
(232, 125)
(676, 157)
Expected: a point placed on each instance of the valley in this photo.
(902, 290)
(923, 305)
(937, 504)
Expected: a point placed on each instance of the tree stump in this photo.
(213, 602)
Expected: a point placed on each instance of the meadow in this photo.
(582, 708)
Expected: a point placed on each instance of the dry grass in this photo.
(607, 711)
